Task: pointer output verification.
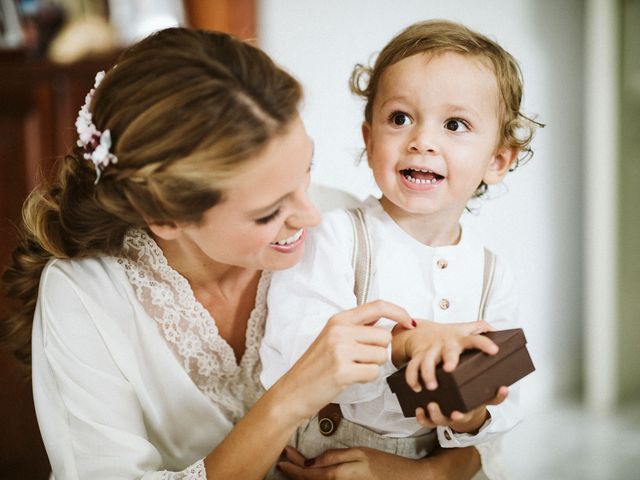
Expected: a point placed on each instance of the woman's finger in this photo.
(362, 373)
(367, 354)
(370, 335)
(370, 313)
(337, 456)
(294, 456)
(295, 472)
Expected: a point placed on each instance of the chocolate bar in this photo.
(475, 380)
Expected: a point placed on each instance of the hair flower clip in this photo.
(97, 144)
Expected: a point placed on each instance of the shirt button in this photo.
(442, 263)
(444, 304)
(447, 435)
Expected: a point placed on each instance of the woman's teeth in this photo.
(293, 238)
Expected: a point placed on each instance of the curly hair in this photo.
(438, 36)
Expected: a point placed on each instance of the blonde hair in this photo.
(186, 110)
(439, 36)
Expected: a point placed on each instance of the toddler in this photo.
(442, 123)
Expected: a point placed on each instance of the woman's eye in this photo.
(400, 119)
(456, 125)
(268, 218)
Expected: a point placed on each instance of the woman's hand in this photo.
(469, 422)
(432, 342)
(348, 350)
(370, 464)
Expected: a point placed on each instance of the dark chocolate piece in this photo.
(475, 380)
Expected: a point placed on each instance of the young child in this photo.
(442, 123)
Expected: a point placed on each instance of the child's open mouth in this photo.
(421, 177)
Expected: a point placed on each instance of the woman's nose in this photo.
(305, 214)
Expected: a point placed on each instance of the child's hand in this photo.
(430, 342)
(469, 422)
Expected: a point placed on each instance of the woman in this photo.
(188, 185)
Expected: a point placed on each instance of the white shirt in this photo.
(405, 272)
(131, 379)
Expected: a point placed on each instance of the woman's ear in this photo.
(500, 164)
(167, 231)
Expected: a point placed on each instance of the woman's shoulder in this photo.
(83, 272)
(97, 280)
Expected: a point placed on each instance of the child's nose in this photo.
(422, 141)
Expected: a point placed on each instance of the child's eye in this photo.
(268, 218)
(400, 119)
(456, 125)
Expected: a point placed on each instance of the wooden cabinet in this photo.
(38, 105)
(39, 102)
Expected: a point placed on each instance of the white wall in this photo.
(535, 222)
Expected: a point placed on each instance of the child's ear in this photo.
(500, 164)
(166, 231)
(366, 136)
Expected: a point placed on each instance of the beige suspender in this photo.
(487, 281)
(361, 262)
(361, 257)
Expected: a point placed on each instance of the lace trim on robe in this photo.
(191, 332)
(192, 472)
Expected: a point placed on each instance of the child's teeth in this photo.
(291, 239)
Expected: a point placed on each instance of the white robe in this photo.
(131, 379)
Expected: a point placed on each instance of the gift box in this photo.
(475, 380)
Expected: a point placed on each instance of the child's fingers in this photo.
(479, 326)
(450, 356)
(411, 374)
(428, 363)
(422, 418)
(500, 397)
(481, 343)
(436, 415)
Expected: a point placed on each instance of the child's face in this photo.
(434, 134)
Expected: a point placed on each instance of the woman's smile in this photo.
(291, 244)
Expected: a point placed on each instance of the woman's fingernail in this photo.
(309, 462)
(414, 323)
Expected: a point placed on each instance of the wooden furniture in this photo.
(39, 102)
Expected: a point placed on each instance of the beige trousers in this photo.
(310, 442)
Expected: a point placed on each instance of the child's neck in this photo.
(436, 230)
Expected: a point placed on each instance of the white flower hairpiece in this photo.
(95, 143)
